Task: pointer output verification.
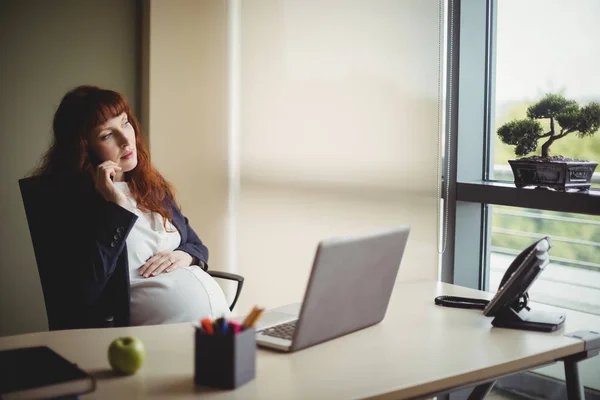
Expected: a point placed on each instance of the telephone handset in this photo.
(510, 304)
(480, 304)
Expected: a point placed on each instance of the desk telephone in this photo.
(510, 304)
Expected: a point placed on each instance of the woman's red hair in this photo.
(81, 110)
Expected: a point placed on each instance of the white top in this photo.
(185, 294)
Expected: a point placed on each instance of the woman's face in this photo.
(114, 140)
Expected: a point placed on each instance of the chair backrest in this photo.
(38, 202)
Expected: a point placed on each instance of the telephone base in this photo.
(526, 319)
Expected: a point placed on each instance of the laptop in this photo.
(349, 289)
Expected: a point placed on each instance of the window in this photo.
(561, 61)
(502, 57)
(545, 47)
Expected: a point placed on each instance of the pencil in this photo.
(257, 316)
(250, 317)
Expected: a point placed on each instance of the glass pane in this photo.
(545, 46)
(572, 279)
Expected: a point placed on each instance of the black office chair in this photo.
(36, 192)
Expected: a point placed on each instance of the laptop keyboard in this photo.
(282, 331)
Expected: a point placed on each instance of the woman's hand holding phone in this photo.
(104, 184)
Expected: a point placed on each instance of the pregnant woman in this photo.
(123, 250)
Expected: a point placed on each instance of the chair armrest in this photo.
(232, 277)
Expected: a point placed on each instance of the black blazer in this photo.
(85, 254)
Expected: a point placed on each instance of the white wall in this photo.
(47, 47)
(339, 105)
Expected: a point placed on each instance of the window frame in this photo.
(469, 103)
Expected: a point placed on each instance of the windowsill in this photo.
(505, 193)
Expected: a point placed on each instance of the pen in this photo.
(234, 327)
(207, 326)
(222, 326)
(225, 328)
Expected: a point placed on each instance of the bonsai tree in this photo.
(565, 116)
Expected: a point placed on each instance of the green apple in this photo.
(126, 355)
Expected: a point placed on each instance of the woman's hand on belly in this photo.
(165, 261)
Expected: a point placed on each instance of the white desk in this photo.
(419, 349)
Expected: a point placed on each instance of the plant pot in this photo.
(561, 175)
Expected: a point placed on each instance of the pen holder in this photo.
(225, 361)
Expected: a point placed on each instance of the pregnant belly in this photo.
(187, 294)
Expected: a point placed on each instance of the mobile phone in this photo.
(95, 162)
